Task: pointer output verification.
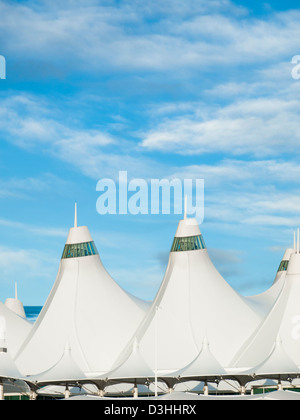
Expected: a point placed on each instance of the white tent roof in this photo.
(16, 329)
(134, 367)
(284, 264)
(8, 367)
(263, 302)
(205, 365)
(65, 370)
(85, 308)
(194, 301)
(283, 319)
(103, 324)
(278, 362)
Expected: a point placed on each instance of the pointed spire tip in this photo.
(185, 207)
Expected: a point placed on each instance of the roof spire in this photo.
(75, 217)
(298, 241)
(185, 207)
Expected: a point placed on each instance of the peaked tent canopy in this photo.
(64, 371)
(264, 302)
(194, 301)
(278, 363)
(14, 328)
(133, 369)
(283, 319)
(204, 366)
(282, 269)
(86, 308)
(8, 369)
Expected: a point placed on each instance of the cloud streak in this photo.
(257, 127)
(90, 37)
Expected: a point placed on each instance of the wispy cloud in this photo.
(28, 187)
(239, 173)
(29, 122)
(150, 36)
(259, 127)
(40, 231)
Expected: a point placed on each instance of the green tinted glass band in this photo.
(190, 243)
(283, 266)
(79, 250)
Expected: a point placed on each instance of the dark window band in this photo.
(190, 243)
(283, 266)
(79, 250)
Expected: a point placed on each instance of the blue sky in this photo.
(195, 89)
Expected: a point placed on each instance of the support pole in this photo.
(156, 350)
(135, 391)
(33, 396)
(67, 393)
(101, 393)
(279, 386)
